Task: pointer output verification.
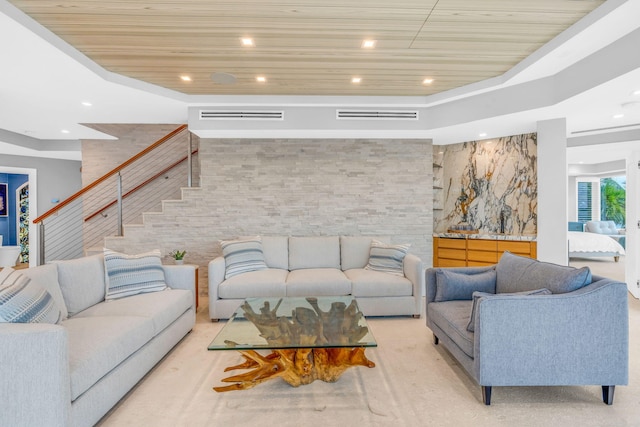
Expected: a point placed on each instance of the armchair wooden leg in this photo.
(486, 394)
(435, 339)
(607, 394)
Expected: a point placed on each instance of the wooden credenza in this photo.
(466, 252)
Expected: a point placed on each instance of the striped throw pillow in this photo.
(242, 256)
(387, 258)
(128, 275)
(24, 301)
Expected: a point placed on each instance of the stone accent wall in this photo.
(101, 156)
(480, 180)
(295, 187)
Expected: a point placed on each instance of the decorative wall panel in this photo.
(486, 181)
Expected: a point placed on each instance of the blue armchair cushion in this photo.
(518, 274)
(477, 295)
(459, 286)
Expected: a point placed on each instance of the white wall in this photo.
(632, 273)
(552, 191)
(49, 179)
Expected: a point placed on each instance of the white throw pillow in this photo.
(128, 275)
(242, 255)
(24, 301)
(387, 258)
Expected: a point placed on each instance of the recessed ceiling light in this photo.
(261, 79)
(87, 104)
(618, 116)
(246, 41)
(637, 92)
(482, 134)
(64, 131)
(369, 44)
(427, 81)
(356, 79)
(185, 78)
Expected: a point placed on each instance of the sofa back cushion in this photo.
(276, 251)
(82, 282)
(314, 252)
(518, 274)
(354, 251)
(47, 276)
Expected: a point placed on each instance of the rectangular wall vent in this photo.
(376, 115)
(241, 115)
(606, 128)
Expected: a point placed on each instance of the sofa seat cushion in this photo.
(369, 283)
(263, 283)
(98, 344)
(162, 308)
(317, 282)
(453, 317)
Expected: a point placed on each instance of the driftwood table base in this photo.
(295, 366)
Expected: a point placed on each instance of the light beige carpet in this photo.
(414, 384)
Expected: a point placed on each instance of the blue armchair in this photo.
(541, 325)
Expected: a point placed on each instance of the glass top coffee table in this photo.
(313, 338)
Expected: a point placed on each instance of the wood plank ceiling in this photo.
(308, 47)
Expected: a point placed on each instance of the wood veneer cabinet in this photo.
(465, 252)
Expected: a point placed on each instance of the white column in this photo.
(632, 274)
(552, 191)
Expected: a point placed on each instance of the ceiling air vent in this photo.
(241, 115)
(376, 115)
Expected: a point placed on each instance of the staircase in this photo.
(79, 224)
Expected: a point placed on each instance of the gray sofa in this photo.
(319, 266)
(533, 324)
(71, 373)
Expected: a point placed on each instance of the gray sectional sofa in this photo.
(319, 266)
(527, 323)
(71, 373)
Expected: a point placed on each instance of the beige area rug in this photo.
(414, 383)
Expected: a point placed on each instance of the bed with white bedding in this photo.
(585, 244)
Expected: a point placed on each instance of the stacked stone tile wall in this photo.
(295, 187)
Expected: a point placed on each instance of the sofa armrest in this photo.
(413, 270)
(34, 367)
(576, 338)
(181, 277)
(216, 276)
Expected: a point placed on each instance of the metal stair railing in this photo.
(82, 221)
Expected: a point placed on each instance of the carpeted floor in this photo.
(414, 384)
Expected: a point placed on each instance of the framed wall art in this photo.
(4, 202)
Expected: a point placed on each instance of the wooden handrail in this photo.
(139, 186)
(109, 174)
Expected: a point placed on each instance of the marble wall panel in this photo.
(484, 181)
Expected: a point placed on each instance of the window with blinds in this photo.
(585, 203)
